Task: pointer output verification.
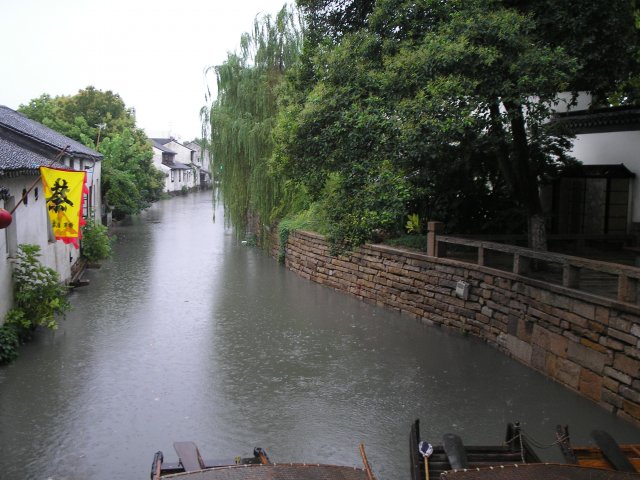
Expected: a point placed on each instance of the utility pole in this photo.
(100, 127)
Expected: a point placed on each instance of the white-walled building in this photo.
(174, 160)
(202, 162)
(26, 145)
(601, 196)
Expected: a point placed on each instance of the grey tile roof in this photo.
(17, 160)
(175, 165)
(45, 136)
(610, 119)
(162, 141)
(161, 147)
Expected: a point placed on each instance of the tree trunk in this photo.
(537, 232)
(521, 175)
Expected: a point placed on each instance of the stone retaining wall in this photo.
(587, 343)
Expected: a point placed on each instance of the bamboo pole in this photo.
(58, 157)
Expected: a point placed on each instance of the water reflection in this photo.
(185, 335)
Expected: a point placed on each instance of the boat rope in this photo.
(538, 444)
(521, 434)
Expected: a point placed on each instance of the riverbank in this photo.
(587, 343)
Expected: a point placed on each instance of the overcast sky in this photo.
(152, 53)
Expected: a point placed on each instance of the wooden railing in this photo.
(524, 261)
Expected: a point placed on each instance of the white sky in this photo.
(152, 53)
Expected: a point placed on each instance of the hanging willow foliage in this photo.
(242, 117)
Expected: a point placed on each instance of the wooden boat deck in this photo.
(608, 454)
(592, 456)
(291, 471)
(539, 471)
(190, 460)
(191, 466)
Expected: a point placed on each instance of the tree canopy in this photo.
(454, 98)
(102, 121)
(435, 108)
(242, 117)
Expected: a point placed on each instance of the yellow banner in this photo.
(63, 190)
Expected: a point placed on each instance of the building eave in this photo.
(603, 120)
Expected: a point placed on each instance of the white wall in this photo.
(183, 155)
(157, 162)
(94, 182)
(613, 148)
(30, 225)
(6, 287)
(179, 178)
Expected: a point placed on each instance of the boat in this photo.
(538, 471)
(606, 454)
(453, 455)
(191, 466)
(190, 459)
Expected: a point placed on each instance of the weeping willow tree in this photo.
(242, 117)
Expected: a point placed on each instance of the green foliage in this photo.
(38, 294)
(130, 182)
(96, 243)
(484, 73)
(334, 18)
(439, 109)
(313, 218)
(241, 119)
(455, 96)
(413, 223)
(9, 342)
(284, 229)
(606, 61)
(415, 242)
(101, 121)
(79, 116)
(122, 195)
(367, 207)
(39, 298)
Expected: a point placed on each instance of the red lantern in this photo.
(5, 218)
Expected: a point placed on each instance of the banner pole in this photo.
(58, 157)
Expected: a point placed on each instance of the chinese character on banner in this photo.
(63, 191)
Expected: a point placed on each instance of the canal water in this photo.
(187, 335)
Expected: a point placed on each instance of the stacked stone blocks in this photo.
(588, 343)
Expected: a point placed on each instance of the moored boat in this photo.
(606, 454)
(430, 461)
(190, 459)
(538, 471)
(191, 466)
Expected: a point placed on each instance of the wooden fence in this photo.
(527, 262)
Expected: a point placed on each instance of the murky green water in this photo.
(186, 335)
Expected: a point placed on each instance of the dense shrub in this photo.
(96, 243)
(39, 298)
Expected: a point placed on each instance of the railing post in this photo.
(433, 230)
(627, 289)
(521, 264)
(570, 276)
(481, 255)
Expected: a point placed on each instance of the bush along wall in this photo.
(39, 299)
